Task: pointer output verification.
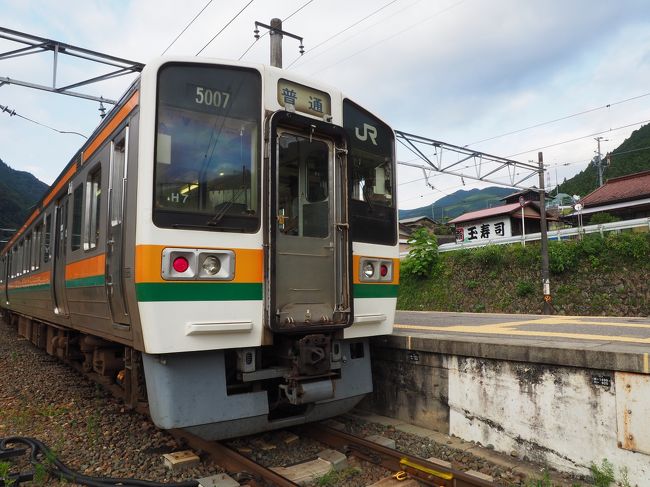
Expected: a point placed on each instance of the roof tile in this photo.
(624, 188)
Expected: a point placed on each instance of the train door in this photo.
(115, 233)
(309, 275)
(58, 268)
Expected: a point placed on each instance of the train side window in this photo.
(77, 206)
(117, 185)
(19, 259)
(36, 247)
(46, 239)
(16, 263)
(27, 258)
(93, 199)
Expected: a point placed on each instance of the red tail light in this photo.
(180, 264)
(383, 270)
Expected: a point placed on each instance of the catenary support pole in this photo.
(546, 283)
(276, 42)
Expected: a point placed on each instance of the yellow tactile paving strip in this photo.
(510, 328)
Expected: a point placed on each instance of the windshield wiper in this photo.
(222, 212)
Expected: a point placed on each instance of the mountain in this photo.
(632, 156)
(460, 202)
(19, 192)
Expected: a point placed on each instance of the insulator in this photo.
(257, 33)
(302, 49)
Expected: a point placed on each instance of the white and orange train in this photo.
(222, 247)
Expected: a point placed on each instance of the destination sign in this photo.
(303, 98)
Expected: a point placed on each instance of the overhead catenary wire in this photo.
(266, 32)
(344, 30)
(224, 27)
(13, 113)
(427, 19)
(187, 26)
(566, 117)
(580, 138)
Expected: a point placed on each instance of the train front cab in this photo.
(246, 274)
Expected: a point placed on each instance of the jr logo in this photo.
(368, 131)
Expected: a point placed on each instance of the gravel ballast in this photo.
(95, 434)
(89, 430)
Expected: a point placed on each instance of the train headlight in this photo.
(198, 264)
(368, 270)
(211, 265)
(375, 270)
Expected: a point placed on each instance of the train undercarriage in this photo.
(220, 393)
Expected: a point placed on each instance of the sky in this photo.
(473, 73)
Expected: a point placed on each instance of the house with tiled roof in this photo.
(497, 222)
(625, 197)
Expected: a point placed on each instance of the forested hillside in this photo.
(630, 157)
(460, 202)
(19, 192)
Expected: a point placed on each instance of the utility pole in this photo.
(276, 33)
(276, 42)
(600, 161)
(546, 283)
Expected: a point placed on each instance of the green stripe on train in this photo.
(199, 291)
(86, 282)
(33, 287)
(375, 290)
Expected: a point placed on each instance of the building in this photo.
(625, 197)
(408, 225)
(498, 222)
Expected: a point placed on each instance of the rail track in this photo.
(401, 465)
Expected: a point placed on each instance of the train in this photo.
(220, 249)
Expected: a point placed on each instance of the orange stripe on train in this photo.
(31, 280)
(92, 266)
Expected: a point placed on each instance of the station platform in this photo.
(563, 391)
(612, 343)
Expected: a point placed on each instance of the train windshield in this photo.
(372, 184)
(207, 148)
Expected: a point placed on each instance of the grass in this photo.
(5, 468)
(336, 477)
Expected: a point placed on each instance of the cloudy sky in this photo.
(459, 71)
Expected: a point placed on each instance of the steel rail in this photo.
(418, 468)
(231, 460)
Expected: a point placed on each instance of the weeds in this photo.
(40, 474)
(545, 481)
(5, 468)
(92, 427)
(524, 288)
(603, 474)
(337, 477)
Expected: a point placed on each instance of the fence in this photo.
(562, 234)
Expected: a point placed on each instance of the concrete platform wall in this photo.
(562, 416)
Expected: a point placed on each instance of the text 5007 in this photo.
(215, 98)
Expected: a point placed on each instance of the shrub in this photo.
(524, 288)
(603, 217)
(489, 256)
(422, 260)
(630, 246)
(562, 256)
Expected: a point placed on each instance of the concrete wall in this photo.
(560, 416)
